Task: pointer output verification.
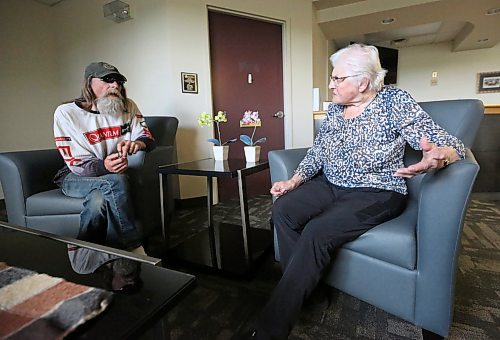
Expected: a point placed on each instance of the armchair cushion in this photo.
(52, 202)
(393, 241)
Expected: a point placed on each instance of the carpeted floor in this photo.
(223, 307)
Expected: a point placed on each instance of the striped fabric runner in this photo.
(39, 306)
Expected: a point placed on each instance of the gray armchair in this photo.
(33, 200)
(407, 266)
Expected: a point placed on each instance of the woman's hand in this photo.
(280, 188)
(432, 158)
(129, 147)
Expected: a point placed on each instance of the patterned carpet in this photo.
(223, 307)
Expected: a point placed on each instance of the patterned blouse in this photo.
(366, 151)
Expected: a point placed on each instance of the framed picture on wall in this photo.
(189, 82)
(488, 82)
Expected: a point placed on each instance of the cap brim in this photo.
(117, 75)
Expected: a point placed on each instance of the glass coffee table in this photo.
(222, 246)
(131, 313)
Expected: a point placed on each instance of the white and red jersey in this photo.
(86, 138)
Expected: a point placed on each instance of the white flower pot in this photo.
(252, 153)
(221, 166)
(221, 152)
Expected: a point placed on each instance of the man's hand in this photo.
(116, 164)
(280, 188)
(432, 158)
(128, 147)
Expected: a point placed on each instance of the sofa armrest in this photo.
(282, 163)
(443, 201)
(25, 173)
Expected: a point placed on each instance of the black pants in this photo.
(311, 222)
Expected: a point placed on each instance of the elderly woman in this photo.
(350, 180)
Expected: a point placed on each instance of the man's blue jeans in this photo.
(107, 216)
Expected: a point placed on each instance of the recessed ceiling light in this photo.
(388, 21)
(493, 11)
(482, 40)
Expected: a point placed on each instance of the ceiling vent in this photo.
(117, 10)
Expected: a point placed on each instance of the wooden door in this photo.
(247, 74)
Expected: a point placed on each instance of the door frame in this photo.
(285, 43)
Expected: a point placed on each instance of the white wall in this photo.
(457, 72)
(29, 85)
(165, 38)
(320, 63)
(43, 51)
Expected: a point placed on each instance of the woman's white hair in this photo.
(362, 59)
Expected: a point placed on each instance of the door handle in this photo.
(279, 114)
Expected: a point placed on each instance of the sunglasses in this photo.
(111, 79)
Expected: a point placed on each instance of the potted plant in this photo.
(252, 150)
(220, 149)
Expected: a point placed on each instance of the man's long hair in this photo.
(88, 97)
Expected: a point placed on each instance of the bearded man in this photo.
(94, 134)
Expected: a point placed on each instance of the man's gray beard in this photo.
(110, 105)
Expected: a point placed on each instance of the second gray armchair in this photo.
(407, 266)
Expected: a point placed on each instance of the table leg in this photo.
(165, 234)
(245, 220)
(211, 229)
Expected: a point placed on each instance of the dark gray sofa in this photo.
(33, 200)
(407, 266)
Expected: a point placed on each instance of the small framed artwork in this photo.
(488, 82)
(189, 82)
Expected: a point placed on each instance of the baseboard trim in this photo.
(189, 203)
(3, 210)
(489, 196)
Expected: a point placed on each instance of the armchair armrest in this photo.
(146, 190)
(136, 160)
(282, 163)
(443, 202)
(25, 173)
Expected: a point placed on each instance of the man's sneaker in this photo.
(126, 275)
(86, 261)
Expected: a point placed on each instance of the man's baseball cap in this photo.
(101, 69)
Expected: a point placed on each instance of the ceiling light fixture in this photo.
(388, 21)
(117, 10)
